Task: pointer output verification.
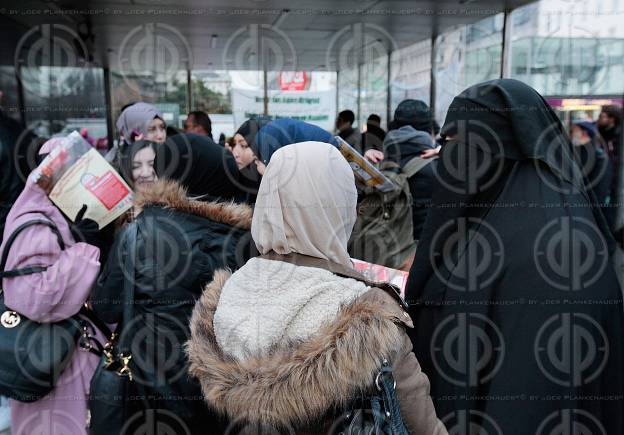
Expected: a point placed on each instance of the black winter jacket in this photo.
(179, 245)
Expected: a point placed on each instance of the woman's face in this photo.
(243, 154)
(156, 131)
(143, 173)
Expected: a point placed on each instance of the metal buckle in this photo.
(108, 351)
(109, 357)
(84, 342)
(378, 378)
(10, 319)
(385, 364)
(125, 369)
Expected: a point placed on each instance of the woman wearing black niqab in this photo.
(517, 309)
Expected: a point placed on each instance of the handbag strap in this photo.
(11, 239)
(386, 386)
(128, 287)
(337, 269)
(38, 269)
(96, 321)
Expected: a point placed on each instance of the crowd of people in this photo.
(225, 300)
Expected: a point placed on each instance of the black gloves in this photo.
(85, 230)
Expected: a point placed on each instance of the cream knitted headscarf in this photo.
(306, 203)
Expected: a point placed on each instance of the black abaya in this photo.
(517, 310)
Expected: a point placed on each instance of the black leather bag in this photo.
(112, 383)
(377, 414)
(35, 354)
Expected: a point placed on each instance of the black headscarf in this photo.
(206, 169)
(509, 119)
(250, 128)
(494, 125)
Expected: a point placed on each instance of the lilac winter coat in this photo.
(50, 296)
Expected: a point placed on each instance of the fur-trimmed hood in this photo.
(295, 384)
(171, 194)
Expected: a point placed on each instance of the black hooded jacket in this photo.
(401, 146)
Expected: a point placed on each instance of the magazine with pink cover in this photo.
(377, 272)
(75, 174)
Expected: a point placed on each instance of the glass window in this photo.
(62, 90)
(569, 48)
(59, 100)
(410, 74)
(167, 93)
(212, 93)
(348, 90)
(8, 92)
(150, 64)
(247, 91)
(374, 90)
(465, 56)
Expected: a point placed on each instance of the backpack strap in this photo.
(337, 269)
(389, 165)
(415, 165)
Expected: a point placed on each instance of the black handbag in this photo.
(376, 414)
(35, 354)
(112, 382)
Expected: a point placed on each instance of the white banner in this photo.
(314, 107)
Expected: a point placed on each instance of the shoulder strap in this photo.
(128, 288)
(36, 269)
(389, 288)
(30, 269)
(337, 269)
(389, 165)
(415, 165)
(96, 321)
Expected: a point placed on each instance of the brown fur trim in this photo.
(170, 194)
(294, 384)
